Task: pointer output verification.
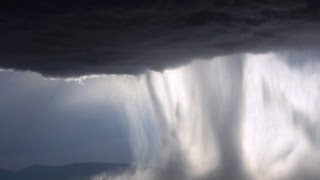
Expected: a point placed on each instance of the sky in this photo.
(192, 89)
(55, 122)
(253, 113)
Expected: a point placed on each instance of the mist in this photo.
(246, 116)
(159, 90)
(237, 117)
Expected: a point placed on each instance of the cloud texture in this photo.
(59, 38)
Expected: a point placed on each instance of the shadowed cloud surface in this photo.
(240, 116)
(62, 38)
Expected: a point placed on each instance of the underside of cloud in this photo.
(67, 39)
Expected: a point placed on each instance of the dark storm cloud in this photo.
(60, 38)
(40, 123)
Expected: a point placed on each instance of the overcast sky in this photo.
(60, 38)
(195, 122)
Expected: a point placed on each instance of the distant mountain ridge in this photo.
(6, 174)
(76, 171)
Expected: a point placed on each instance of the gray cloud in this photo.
(57, 38)
(68, 40)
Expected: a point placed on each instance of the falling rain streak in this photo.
(249, 116)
